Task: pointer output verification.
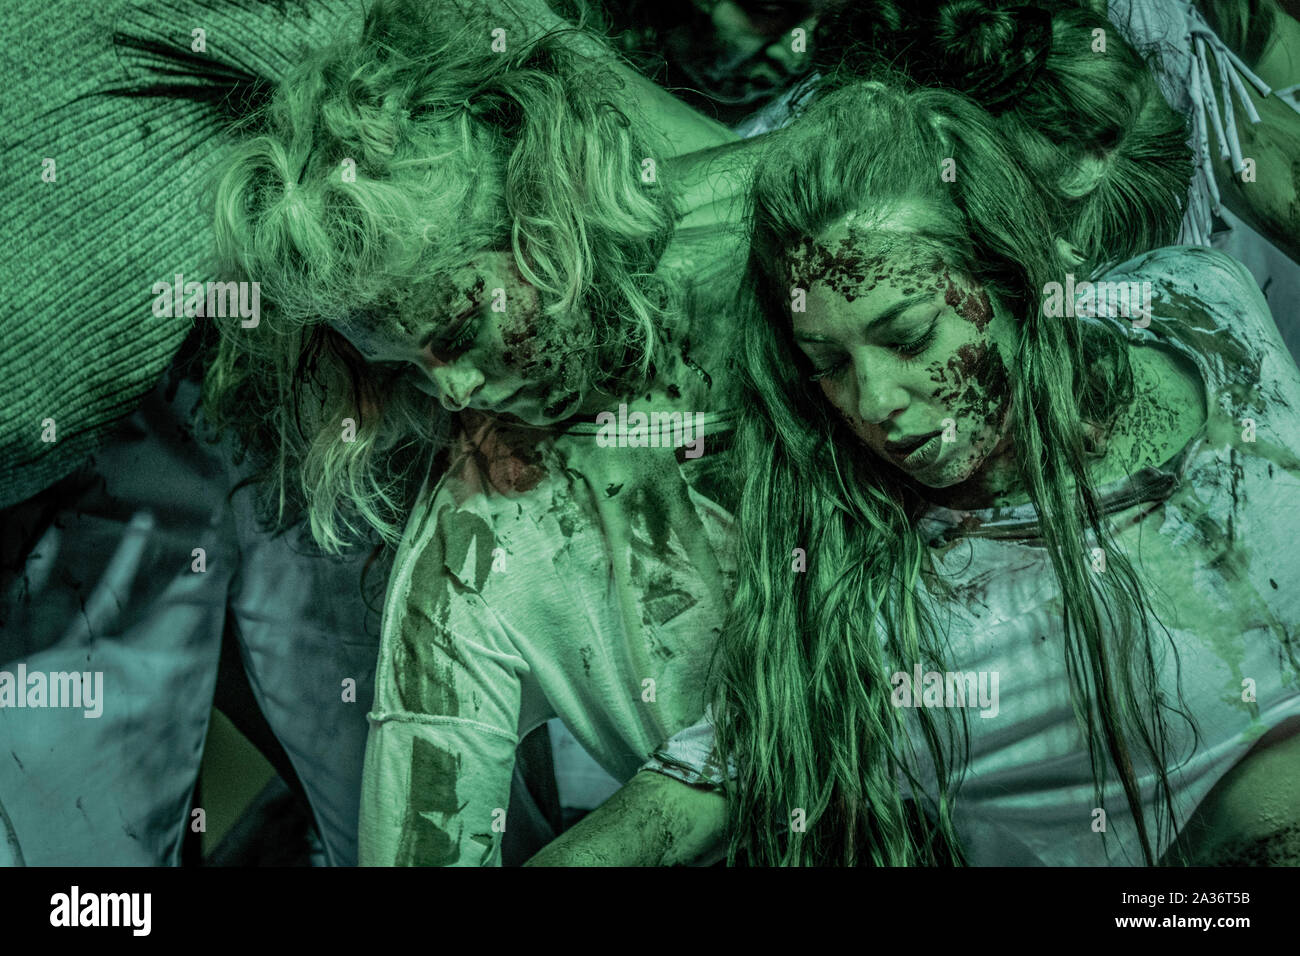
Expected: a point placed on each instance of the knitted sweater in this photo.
(103, 199)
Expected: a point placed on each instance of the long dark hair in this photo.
(802, 673)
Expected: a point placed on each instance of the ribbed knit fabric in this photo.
(79, 344)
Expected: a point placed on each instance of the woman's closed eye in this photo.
(464, 336)
(828, 370)
(913, 347)
(908, 348)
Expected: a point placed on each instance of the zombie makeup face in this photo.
(483, 343)
(740, 20)
(908, 350)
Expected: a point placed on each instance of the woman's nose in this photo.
(880, 398)
(457, 384)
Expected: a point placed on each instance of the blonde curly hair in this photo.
(378, 165)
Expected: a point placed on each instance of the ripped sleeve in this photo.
(444, 726)
(691, 756)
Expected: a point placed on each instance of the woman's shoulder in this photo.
(1169, 408)
(1190, 304)
(1206, 350)
(1219, 283)
(1208, 305)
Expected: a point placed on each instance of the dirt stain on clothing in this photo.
(468, 539)
(426, 655)
(432, 794)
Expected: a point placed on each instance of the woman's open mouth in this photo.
(915, 452)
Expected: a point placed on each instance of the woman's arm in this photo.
(1252, 816)
(653, 820)
(708, 249)
(680, 128)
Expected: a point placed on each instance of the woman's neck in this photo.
(1167, 411)
(997, 484)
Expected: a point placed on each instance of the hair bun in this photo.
(988, 50)
(972, 33)
(991, 53)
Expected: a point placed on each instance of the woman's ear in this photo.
(1086, 175)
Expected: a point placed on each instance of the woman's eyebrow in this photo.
(884, 318)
